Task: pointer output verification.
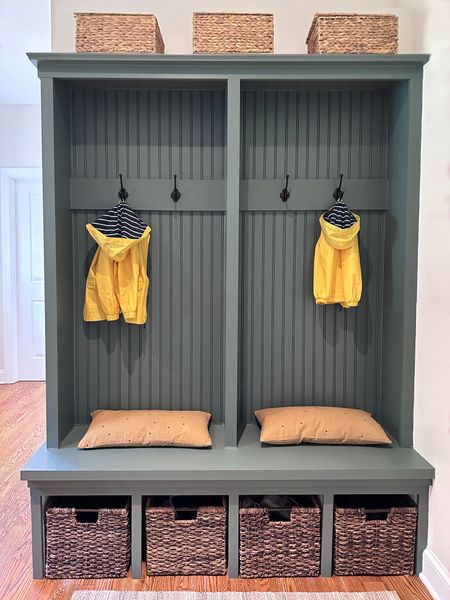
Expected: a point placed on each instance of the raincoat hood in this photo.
(340, 239)
(114, 247)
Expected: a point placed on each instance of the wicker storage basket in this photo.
(108, 32)
(232, 32)
(351, 33)
(87, 542)
(280, 548)
(186, 541)
(374, 536)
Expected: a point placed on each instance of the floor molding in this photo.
(435, 576)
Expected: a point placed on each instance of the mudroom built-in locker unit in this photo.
(233, 325)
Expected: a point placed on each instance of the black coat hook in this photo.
(285, 194)
(338, 193)
(123, 194)
(175, 194)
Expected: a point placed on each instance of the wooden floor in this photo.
(22, 430)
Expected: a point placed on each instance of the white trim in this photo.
(435, 576)
(8, 278)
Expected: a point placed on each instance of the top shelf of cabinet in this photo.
(221, 66)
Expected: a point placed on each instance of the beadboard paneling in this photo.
(293, 351)
(314, 134)
(150, 134)
(176, 361)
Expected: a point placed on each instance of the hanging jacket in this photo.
(117, 281)
(337, 267)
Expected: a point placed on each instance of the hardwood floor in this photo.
(21, 432)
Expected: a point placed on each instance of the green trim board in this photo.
(57, 260)
(231, 365)
(312, 194)
(400, 281)
(298, 66)
(230, 59)
(209, 195)
(148, 194)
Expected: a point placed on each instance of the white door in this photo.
(30, 280)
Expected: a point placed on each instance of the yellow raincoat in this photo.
(117, 281)
(337, 267)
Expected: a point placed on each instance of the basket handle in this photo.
(274, 518)
(377, 514)
(87, 515)
(180, 512)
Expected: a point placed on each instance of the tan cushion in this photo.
(319, 425)
(185, 428)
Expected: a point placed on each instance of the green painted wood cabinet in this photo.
(232, 321)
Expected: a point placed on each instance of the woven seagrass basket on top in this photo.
(232, 33)
(111, 32)
(351, 33)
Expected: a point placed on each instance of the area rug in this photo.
(91, 595)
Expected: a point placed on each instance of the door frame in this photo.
(9, 177)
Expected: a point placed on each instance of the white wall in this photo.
(292, 18)
(25, 27)
(20, 146)
(20, 135)
(432, 405)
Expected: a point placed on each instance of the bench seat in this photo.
(248, 462)
(248, 469)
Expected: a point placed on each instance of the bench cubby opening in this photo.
(186, 535)
(87, 537)
(374, 535)
(279, 536)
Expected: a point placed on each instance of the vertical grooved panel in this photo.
(293, 351)
(133, 134)
(314, 134)
(148, 133)
(176, 361)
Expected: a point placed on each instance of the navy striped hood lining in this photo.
(340, 215)
(120, 222)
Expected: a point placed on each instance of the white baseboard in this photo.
(435, 576)
(6, 378)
